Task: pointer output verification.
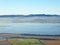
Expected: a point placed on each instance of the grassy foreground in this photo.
(25, 42)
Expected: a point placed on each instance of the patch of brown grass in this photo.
(51, 42)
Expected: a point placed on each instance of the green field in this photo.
(25, 42)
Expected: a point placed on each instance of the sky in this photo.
(26, 7)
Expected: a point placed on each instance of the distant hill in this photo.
(32, 18)
(31, 15)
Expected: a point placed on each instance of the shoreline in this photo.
(32, 36)
(46, 40)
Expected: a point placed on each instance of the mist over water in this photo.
(31, 28)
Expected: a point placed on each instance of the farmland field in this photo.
(25, 42)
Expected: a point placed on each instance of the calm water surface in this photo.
(32, 28)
